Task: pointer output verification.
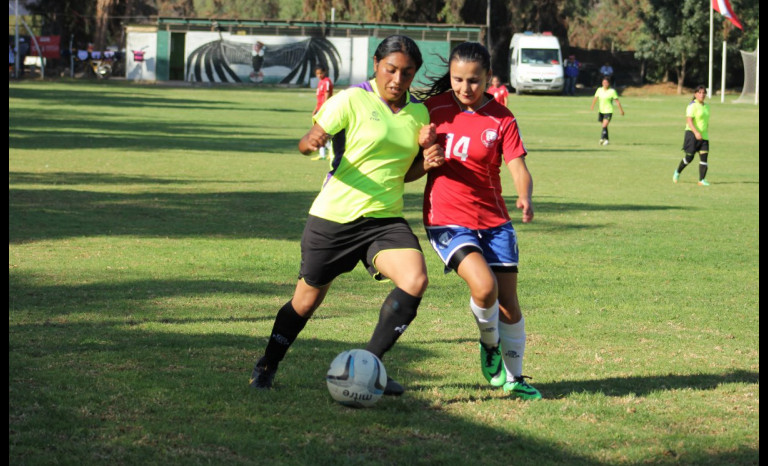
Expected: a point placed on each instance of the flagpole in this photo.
(722, 80)
(711, 29)
(757, 74)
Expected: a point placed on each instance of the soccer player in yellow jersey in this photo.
(376, 129)
(696, 135)
(606, 96)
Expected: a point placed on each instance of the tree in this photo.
(103, 10)
(606, 25)
(678, 34)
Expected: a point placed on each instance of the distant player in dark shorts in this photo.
(696, 136)
(605, 96)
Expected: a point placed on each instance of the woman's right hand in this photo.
(313, 140)
(427, 135)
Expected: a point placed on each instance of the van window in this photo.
(539, 57)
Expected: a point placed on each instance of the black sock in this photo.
(604, 134)
(398, 310)
(684, 163)
(288, 324)
(703, 156)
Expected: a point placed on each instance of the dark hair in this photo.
(402, 44)
(473, 52)
(700, 87)
(322, 68)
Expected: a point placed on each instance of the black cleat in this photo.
(262, 375)
(393, 388)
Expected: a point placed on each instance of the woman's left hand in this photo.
(434, 156)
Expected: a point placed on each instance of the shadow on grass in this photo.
(639, 386)
(40, 214)
(642, 386)
(174, 396)
(57, 214)
(141, 300)
(126, 96)
(147, 136)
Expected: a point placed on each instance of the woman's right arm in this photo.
(313, 140)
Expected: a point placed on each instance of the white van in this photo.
(535, 63)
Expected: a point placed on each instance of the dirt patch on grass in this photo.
(655, 89)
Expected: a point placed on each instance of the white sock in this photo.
(512, 347)
(487, 322)
(322, 151)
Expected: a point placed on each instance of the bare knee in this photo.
(484, 294)
(414, 284)
(306, 299)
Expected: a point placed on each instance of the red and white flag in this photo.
(724, 8)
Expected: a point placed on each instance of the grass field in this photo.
(154, 232)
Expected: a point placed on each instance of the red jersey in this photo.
(324, 86)
(466, 189)
(499, 93)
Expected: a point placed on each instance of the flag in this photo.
(724, 8)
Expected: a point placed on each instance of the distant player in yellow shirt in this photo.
(696, 135)
(606, 95)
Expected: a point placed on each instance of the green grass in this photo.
(154, 232)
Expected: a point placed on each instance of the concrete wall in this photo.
(224, 57)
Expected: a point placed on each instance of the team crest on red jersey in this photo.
(489, 137)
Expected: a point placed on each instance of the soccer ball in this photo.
(356, 378)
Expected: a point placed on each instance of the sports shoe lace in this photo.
(489, 354)
(521, 380)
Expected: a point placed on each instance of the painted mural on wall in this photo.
(238, 59)
(141, 56)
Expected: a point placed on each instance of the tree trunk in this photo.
(103, 9)
(681, 76)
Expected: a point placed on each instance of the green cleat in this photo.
(675, 177)
(492, 365)
(519, 388)
(703, 183)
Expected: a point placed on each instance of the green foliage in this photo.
(237, 9)
(609, 25)
(154, 232)
(678, 37)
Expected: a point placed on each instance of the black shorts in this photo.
(329, 249)
(604, 116)
(691, 145)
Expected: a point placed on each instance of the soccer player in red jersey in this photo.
(465, 215)
(324, 92)
(498, 91)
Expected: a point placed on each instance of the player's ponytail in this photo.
(473, 52)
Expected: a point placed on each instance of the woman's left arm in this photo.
(524, 186)
(427, 159)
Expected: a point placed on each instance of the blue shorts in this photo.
(498, 245)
